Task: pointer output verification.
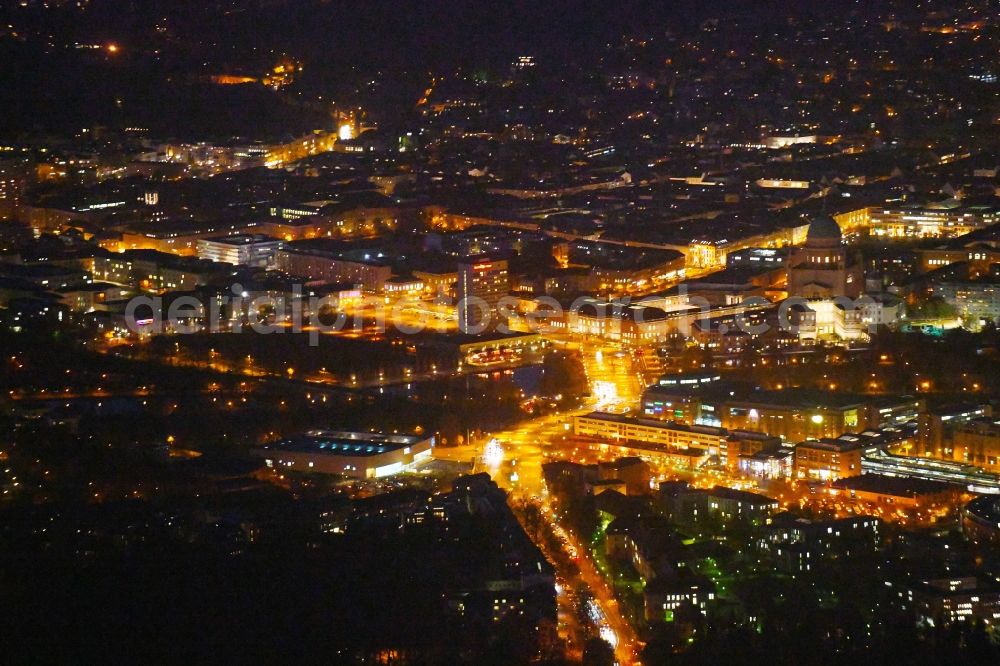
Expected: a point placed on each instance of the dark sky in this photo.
(167, 44)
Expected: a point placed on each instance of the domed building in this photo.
(821, 268)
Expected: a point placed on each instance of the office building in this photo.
(793, 415)
(254, 250)
(945, 219)
(668, 442)
(827, 460)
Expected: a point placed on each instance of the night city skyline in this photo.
(451, 332)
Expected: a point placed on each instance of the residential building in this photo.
(482, 282)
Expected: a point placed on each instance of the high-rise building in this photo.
(482, 282)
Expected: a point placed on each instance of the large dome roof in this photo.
(824, 228)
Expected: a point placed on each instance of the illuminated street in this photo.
(500, 333)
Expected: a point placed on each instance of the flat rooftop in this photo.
(833, 445)
(655, 423)
(242, 239)
(344, 443)
(746, 394)
(893, 485)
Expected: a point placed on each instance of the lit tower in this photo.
(482, 282)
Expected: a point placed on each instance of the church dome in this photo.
(825, 230)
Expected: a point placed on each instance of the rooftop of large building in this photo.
(751, 395)
(655, 423)
(168, 260)
(831, 445)
(186, 227)
(689, 379)
(607, 310)
(892, 485)
(333, 249)
(884, 436)
(345, 443)
(242, 239)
